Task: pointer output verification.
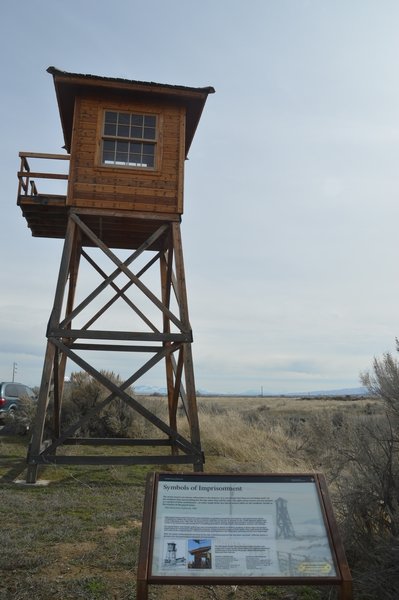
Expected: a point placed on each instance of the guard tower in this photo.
(126, 142)
(284, 527)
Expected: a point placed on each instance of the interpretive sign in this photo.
(247, 529)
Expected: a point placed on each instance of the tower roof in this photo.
(68, 86)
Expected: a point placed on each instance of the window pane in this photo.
(124, 118)
(108, 157)
(148, 160)
(149, 133)
(135, 159)
(12, 390)
(148, 155)
(149, 121)
(123, 130)
(122, 146)
(135, 148)
(148, 149)
(111, 117)
(137, 120)
(29, 393)
(109, 145)
(109, 129)
(136, 132)
(121, 157)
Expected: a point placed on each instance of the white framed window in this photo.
(129, 140)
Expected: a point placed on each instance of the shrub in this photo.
(20, 421)
(367, 487)
(367, 505)
(83, 394)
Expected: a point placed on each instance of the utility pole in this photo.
(14, 370)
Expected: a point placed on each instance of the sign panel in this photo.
(245, 526)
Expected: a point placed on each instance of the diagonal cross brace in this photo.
(122, 267)
(120, 292)
(116, 391)
(76, 221)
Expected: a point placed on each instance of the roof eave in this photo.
(70, 85)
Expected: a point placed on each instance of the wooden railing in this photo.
(27, 185)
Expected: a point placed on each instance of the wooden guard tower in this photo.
(126, 143)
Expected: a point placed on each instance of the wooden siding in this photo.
(93, 185)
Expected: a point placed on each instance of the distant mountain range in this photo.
(147, 390)
(358, 391)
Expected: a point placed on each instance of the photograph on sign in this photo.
(240, 527)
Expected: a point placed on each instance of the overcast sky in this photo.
(291, 191)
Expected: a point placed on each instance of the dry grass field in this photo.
(281, 405)
(78, 536)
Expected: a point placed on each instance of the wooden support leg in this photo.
(61, 361)
(48, 368)
(42, 403)
(187, 352)
(192, 406)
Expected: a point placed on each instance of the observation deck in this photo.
(46, 213)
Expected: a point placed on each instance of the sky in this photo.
(291, 187)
